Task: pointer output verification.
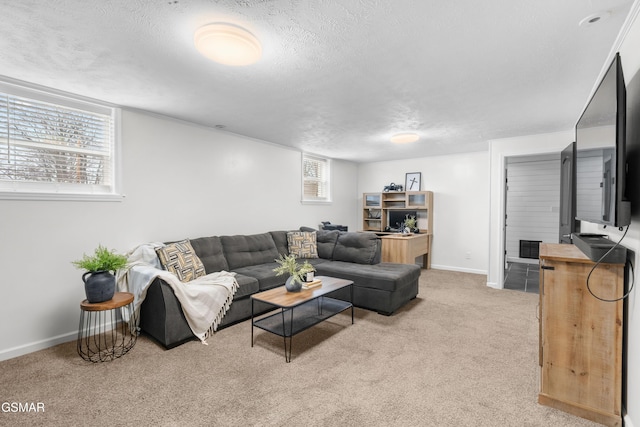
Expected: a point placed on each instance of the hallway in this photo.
(522, 277)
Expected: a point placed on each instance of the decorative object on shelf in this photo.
(297, 273)
(392, 187)
(412, 181)
(100, 285)
(410, 223)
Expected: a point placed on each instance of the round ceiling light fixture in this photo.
(228, 44)
(404, 138)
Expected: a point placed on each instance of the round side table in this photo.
(102, 335)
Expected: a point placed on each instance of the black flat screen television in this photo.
(601, 153)
(396, 217)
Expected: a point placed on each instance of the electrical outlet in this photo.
(467, 255)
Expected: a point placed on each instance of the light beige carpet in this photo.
(461, 354)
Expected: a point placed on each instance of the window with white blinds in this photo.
(55, 146)
(316, 179)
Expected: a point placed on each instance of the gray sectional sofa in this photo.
(381, 287)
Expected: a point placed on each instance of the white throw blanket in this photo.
(204, 300)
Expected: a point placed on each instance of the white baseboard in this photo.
(38, 345)
(459, 269)
(627, 421)
(494, 285)
(21, 350)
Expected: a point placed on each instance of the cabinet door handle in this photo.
(547, 267)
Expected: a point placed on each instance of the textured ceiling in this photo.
(337, 77)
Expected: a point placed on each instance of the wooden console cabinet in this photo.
(580, 335)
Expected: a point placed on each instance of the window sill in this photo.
(61, 197)
(316, 202)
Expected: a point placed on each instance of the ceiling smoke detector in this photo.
(594, 18)
(228, 44)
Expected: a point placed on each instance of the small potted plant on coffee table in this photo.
(297, 272)
(100, 285)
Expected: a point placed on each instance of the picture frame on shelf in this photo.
(413, 181)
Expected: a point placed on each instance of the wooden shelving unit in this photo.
(376, 206)
(372, 212)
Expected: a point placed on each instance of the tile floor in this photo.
(522, 277)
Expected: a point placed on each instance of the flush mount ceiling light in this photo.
(228, 44)
(404, 138)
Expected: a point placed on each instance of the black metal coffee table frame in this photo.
(300, 310)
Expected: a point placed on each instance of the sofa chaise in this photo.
(380, 287)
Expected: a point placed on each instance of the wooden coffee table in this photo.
(300, 310)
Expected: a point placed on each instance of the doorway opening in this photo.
(532, 206)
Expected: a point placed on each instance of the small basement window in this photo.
(316, 179)
(56, 147)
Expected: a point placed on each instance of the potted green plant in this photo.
(410, 222)
(297, 272)
(100, 285)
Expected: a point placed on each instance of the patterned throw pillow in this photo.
(180, 259)
(302, 244)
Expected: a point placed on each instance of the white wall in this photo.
(630, 55)
(461, 205)
(180, 181)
